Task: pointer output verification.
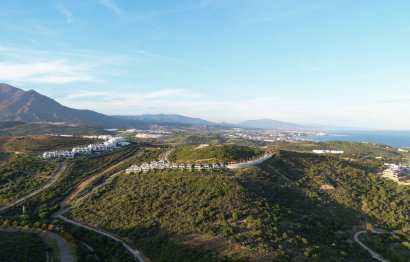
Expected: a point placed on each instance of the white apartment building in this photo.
(397, 173)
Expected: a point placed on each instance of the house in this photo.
(207, 167)
(197, 167)
(216, 167)
(145, 167)
(397, 173)
(58, 154)
(133, 169)
(153, 165)
(98, 147)
(81, 151)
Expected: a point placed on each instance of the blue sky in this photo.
(338, 62)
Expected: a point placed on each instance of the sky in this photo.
(333, 62)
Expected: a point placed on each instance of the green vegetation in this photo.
(294, 206)
(215, 153)
(47, 202)
(36, 145)
(362, 150)
(23, 175)
(394, 247)
(194, 138)
(105, 248)
(21, 246)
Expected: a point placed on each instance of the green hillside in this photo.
(23, 175)
(21, 247)
(295, 206)
(350, 148)
(36, 145)
(215, 153)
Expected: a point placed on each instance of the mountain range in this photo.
(30, 106)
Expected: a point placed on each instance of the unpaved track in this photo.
(80, 187)
(56, 175)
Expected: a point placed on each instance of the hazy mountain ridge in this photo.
(166, 118)
(30, 106)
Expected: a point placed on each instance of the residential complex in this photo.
(110, 144)
(161, 165)
(397, 173)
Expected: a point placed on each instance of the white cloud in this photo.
(65, 12)
(47, 72)
(113, 6)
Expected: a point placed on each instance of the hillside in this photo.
(270, 124)
(30, 106)
(168, 119)
(18, 128)
(213, 153)
(294, 207)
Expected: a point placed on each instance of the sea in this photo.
(390, 138)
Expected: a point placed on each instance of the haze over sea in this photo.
(391, 138)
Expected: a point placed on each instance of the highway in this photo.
(373, 253)
(56, 175)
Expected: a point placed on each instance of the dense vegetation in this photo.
(47, 202)
(299, 206)
(22, 247)
(362, 150)
(215, 153)
(23, 175)
(395, 247)
(38, 144)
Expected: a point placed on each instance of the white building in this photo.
(58, 154)
(397, 173)
(81, 150)
(206, 167)
(216, 167)
(328, 151)
(197, 167)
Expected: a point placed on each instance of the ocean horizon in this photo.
(387, 137)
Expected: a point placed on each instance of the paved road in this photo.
(164, 156)
(79, 188)
(65, 254)
(135, 253)
(374, 254)
(56, 175)
(250, 163)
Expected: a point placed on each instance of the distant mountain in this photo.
(30, 106)
(271, 124)
(17, 128)
(167, 119)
